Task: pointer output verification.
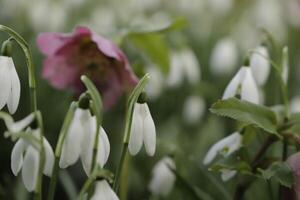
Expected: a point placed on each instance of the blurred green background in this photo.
(179, 97)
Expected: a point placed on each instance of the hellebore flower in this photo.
(260, 65)
(10, 87)
(163, 178)
(226, 146)
(224, 57)
(294, 163)
(103, 191)
(243, 83)
(142, 131)
(26, 157)
(80, 139)
(84, 52)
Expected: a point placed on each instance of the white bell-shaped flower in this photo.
(244, 84)
(226, 146)
(163, 178)
(10, 87)
(193, 109)
(227, 174)
(103, 191)
(224, 57)
(26, 157)
(142, 130)
(260, 65)
(183, 65)
(80, 139)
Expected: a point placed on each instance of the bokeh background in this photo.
(190, 64)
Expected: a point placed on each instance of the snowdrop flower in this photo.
(25, 157)
(10, 86)
(183, 64)
(260, 65)
(226, 146)
(295, 104)
(15, 127)
(80, 139)
(224, 57)
(155, 85)
(142, 130)
(163, 178)
(193, 109)
(244, 84)
(103, 191)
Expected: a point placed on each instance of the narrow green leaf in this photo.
(280, 172)
(95, 95)
(247, 112)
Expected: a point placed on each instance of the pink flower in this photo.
(84, 52)
(294, 163)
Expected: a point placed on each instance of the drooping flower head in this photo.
(84, 52)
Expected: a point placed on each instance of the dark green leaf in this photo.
(280, 172)
(247, 112)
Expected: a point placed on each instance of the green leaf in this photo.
(154, 46)
(279, 172)
(130, 107)
(95, 95)
(247, 112)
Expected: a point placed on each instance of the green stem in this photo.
(31, 70)
(120, 166)
(58, 150)
(38, 189)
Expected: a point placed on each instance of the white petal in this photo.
(136, 135)
(191, 66)
(149, 131)
(103, 148)
(73, 140)
(176, 72)
(249, 90)
(103, 191)
(5, 83)
(260, 65)
(19, 125)
(14, 96)
(231, 143)
(163, 178)
(285, 65)
(232, 87)
(88, 144)
(30, 168)
(17, 156)
(224, 57)
(193, 109)
(227, 174)
(49, 158)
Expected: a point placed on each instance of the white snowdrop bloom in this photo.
(142, 130)
(163, 178)
(295, 104)
(226, 146)
(25, 157)
(193, 109)
(80, 139)
(227, 174)
(10, 87)
(183, 65)
(220, 7)
(224, 57)
(260, 65)
(244, 84)
(156, 83)
(103, 191)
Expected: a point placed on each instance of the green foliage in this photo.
(247, 112)
(279, 172)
